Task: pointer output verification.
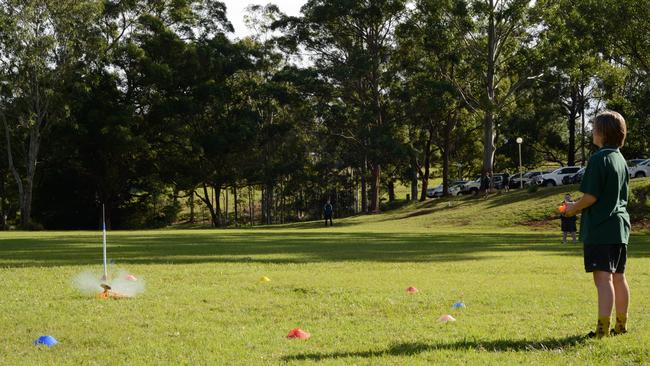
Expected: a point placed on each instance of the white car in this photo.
(640, 170)
(454, 189)
(471, 187)
(474, 186)
(554, 178)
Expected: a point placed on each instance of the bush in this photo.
(33, 226)
(638, 204)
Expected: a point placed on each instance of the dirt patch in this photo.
(540, 224)
(642, 224)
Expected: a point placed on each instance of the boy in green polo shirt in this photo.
(605, 224)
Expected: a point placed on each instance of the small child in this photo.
(568, 223)
(605, 223)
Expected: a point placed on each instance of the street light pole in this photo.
(521, 175)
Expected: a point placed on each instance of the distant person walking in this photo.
(328, 211)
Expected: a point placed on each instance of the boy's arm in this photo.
(584, 202)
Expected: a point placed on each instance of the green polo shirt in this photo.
(607, 179)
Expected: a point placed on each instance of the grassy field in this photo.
(528, 299)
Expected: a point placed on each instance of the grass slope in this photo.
(528, 300)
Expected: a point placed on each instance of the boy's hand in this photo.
(586, 201)
(570, 210)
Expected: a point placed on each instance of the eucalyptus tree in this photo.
(41, 43)
(351, 43)
(572, 66)
(433, 64)
(501, 43)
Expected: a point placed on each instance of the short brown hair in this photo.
(611, 125)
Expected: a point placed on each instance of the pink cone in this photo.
(412, 290)
(298, 333)
(131, 278)
(446, 318)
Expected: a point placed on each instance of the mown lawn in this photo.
(528, 300)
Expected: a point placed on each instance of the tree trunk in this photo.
(226, 209)
(488, 143)
(12, 167)
(391, 191)
(427, 164)
(191, 203)
(364, 192)
(488, 121)
(573, 113)
(375, 186)
(269, 203)
(251, 206)
(263, 206)
(283, 204)
(356, 194)
(217, 199)
(234, 193)
(446, 145)
(208, 202)
(414, 180)
(3, 222)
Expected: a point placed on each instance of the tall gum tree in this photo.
(352, 42)
(501, 45)
(40, 42)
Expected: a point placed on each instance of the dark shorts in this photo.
(607, 258)
(569, 224)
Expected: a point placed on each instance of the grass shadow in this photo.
(284, 247)
(409, 349)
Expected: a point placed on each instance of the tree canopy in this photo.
(157, 111)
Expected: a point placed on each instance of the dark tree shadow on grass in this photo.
(410, 349)
(281, 248)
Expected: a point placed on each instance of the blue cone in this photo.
(458, 305)
(46, 340)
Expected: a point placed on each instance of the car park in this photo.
(454, 189)
(574, 178)
(515, 181)
(638, 169)
(471, 187)
(555, 177)
(474, 186)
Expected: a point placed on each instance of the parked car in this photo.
(454, 189)
(471, 187)
(539, 178)
(574, 178)
(554, 178)
(633, 162)
(638, 169)
(577, 178)
(515, 181)
(498, 180)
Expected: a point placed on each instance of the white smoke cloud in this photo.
(122, 283)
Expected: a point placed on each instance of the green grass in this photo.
(528, 299)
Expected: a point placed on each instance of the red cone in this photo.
(298, 333)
